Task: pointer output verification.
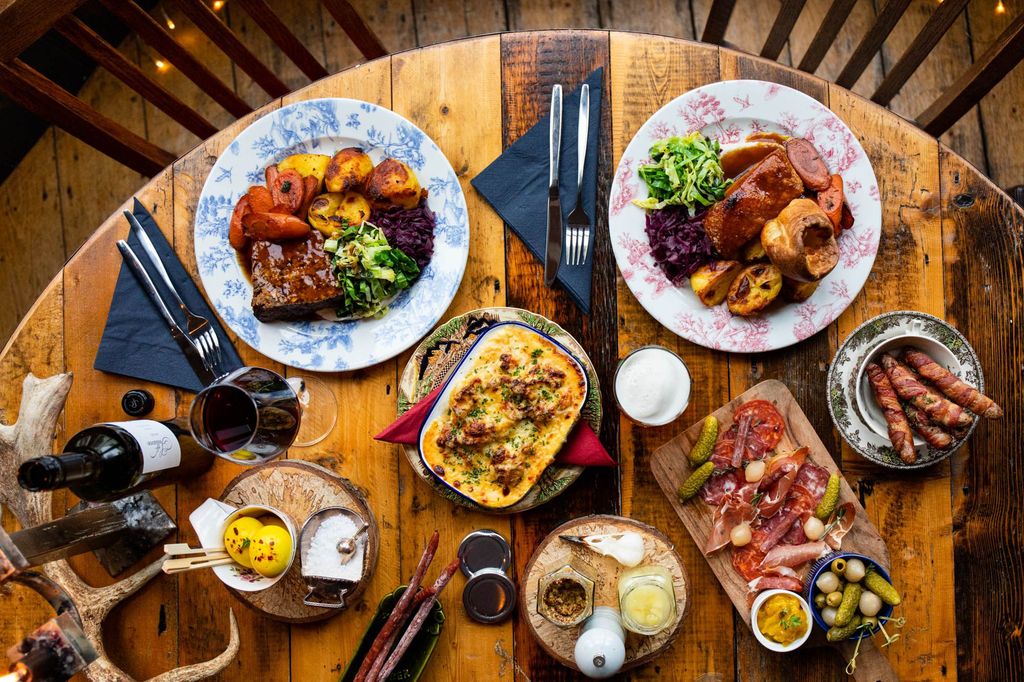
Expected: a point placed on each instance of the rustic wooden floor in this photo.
(63, 189)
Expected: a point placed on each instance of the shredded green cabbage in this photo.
(369, 271)
(685, 171)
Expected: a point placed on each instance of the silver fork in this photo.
(579, 224)
(198, 327)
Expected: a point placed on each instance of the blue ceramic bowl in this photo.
(821, 566)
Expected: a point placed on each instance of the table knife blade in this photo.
(553, 250)
(187, 346)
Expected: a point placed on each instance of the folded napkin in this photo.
(516, 185)
(583, 448)
(136, 341)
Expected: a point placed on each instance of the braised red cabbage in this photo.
(678, 241)
(410, 230)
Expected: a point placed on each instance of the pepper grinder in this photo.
(601, 648)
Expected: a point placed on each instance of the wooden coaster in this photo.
(299, 489)
(553, 553)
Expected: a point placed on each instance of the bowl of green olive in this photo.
(850, 595)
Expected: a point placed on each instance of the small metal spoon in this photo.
(347, 547)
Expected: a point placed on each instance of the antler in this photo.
(31, 436)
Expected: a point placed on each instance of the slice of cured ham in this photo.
(846, 515)
(736, 508)
(717, 487)
(775, 582)
(781, 471)
(792, 556)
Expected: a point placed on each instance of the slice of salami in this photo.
(717, 487)
(747, 561)
(795, 534)
(811, 481)
(768, 424)
(722, 454)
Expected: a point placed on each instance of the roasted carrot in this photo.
(830, 200)
(956, 390)
(287, 191)
(909, 387)
(236, 231)
(274, 227)
(846, 220)
(260, 199)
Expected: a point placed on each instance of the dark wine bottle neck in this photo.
(57, 471)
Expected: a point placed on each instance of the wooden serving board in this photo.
(671, 468)
(299, 489)
(553, 553)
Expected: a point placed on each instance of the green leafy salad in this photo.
(685, 171)
(370, 272)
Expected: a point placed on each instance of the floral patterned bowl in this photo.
(324, 126)
(729, 111)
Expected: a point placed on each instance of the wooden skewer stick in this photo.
(192, 563)
(182, 549)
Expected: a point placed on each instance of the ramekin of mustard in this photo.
(781, 620)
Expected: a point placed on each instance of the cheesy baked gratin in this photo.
(508, 414)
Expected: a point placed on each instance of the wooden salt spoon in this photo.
(347, 547)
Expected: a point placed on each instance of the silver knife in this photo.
(195, 360)
(553, 252)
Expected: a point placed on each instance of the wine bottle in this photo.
(109, 461)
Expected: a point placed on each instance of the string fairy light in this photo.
(167, 19)
(1000, 7)
(218, 5)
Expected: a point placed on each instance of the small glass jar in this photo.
(647, 599)
(558, 590)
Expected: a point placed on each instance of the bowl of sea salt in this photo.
(328, 569)
(652, 386)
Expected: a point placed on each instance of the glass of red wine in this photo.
(248, 416)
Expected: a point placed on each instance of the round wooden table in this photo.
(951, 247)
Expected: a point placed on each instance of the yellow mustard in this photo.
(781, 619)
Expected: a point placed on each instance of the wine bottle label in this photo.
(160, 449)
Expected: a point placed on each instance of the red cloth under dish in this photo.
(583, 448)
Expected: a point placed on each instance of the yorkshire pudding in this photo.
(800, 241)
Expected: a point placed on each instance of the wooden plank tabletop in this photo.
(952, 246)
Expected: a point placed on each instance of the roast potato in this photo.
(753, 289)
(348, 170)
(754, 251)
(797, 292)
(307, 165)
(392, 183)
(332, 211)
(711, 281)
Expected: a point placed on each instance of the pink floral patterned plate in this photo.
(729, 111)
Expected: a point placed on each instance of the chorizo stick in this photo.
(956, 390)
(909, 387)
(398, 613)
(896, 421)
(418, 620)
(932, 434)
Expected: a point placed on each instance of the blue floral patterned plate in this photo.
(324, 126)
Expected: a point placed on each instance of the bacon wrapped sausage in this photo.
(909, 387)
(932, 434)
(959, 392)
(896, 421)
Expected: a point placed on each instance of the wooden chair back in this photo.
(966, 91)
(23, 22)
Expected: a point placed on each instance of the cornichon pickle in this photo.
(847, 607)
(696, 480)
(880, 586)
(838, 633)
(705, 442)
(829, 499)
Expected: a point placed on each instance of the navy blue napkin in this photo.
(516, 185)
(136, 341)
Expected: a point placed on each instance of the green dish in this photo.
(416, 657)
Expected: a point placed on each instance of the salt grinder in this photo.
(489, 595)
(601, 648)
